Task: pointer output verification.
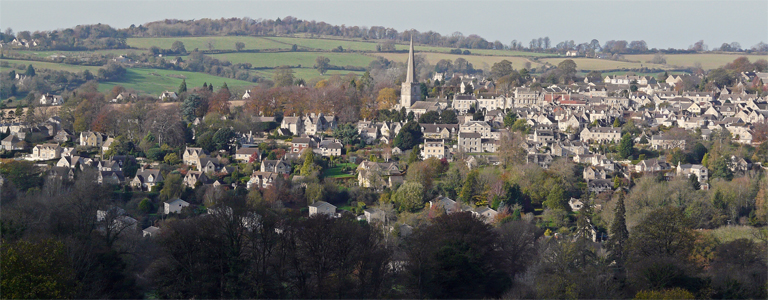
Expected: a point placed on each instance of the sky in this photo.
(662, 24)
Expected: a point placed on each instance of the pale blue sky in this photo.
(662, 24)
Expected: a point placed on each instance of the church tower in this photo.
(410, 90)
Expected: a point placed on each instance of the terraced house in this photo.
(601, 135)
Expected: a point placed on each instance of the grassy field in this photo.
(154, 82)
(359, 45)
(729, 233)
(308, 73)
(305, 59)
(602, 64)
(219, 43)
(47, 65)
(479, 62)
(582, 74)
(707, 61)
(326, 44)
(46, 54)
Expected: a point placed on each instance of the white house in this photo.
(174, 206)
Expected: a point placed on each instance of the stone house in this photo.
(600, 135)
(46, 151)
(146, 178)
(244, 154)
(91, 139)
(322, 207)
(192, 155)
(470, 142)
(262, 179)
(277, 166)
(434, 148)
(12, 142)
(374, 175)
(193, 177)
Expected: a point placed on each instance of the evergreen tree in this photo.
(694, 181)
(183, 87)
(415, 154)
(470, 187)
(617, 244)
(309, 161)
(30, 71)
(626, 146)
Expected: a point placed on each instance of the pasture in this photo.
(303, 59)
(583, 63)
(477, 61)
(154, 81)
(708, 61)
(45, 65)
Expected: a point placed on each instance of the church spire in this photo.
(411, 65)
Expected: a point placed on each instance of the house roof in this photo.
(322, 204)
(177, 201)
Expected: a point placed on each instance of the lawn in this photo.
(219, 43)
(155, 81)
(726, 234)
(336, 172)
(303, 59)
(707, 60)
(477, 61)
(48, 65)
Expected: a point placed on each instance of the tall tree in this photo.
(30, 71)
(322, 64)
(283, 76)
(409, 136)
(183, 86)
(619, 235)
(626, 146)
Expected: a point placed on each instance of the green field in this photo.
(154, 81)
(708, 60)
(479, 62)
(219, 43)
(48, 65)
(325, 44)
(602, 64)
(307, 73)
(46, 54)
(305, 59)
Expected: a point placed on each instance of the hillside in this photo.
(263, 54)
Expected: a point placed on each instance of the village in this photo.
(584, 122)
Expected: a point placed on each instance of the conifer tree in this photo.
(617, 244)
(183, 87)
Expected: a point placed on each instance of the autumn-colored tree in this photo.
(116, 90)
(387, 98)
(106, 121)
(220, 102)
